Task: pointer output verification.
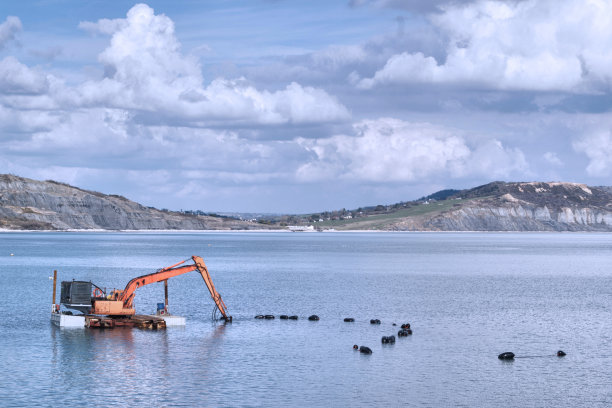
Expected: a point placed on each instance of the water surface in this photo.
(468, 297)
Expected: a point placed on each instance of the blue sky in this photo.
(303, 106)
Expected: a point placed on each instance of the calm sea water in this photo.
(468, 297)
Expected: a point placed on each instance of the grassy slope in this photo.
(381, 221)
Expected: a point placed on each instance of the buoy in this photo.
(388, 339)
(374, 321)
(506, 356)
(259, 316)
(313, 318)
(349, 319)
(12, 254)
(284, 317)
(355, 347)
(560, 353)
(269, 317)
(365, 350)
(293, 317)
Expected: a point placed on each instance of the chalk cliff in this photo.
(533, 206)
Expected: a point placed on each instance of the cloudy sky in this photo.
(303, 106)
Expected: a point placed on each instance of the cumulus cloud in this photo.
(145, 70)
(392, 150)
(537, 45)
(9, 29)
(17, 78)
(598, 148)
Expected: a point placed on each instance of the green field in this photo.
(381, 220)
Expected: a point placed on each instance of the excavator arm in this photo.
(126, 297)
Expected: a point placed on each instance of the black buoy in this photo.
(404, 333)
(355, 347)
(313, 318)
(506, 356)
(293, 317)
(365, 350)
(374, 321)
(269, 317)
(388, 339)
(349, 319)
(259, 316)
(560, 353)
(284, 317)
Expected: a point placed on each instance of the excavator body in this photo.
(121, 302)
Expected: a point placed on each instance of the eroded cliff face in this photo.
(31, 204)
(522, 207)
(521, 218)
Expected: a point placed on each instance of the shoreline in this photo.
(147, 231)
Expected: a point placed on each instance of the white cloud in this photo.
(9, 29)
(392, 150)
(17, 78)
(598, 148)
(552, 158)
(145, 70)
(530, 45)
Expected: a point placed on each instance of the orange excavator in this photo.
(80, 296)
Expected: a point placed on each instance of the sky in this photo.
(283, 106)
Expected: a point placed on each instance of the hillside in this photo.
(49, 205)
(497, 206)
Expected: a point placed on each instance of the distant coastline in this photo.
(31, 205)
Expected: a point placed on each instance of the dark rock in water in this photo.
(284, 317)
(269, 317)
(365, 350)
(293, 317)
(313, 317)
(560, 353)
(355, 347)
(349, 319)
(404, 333)
(506, 356)
(374, 321)
(259, 316)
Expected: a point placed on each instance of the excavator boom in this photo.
(123, 302)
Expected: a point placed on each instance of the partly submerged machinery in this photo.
(89, 298)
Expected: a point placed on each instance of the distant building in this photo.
(300, 228)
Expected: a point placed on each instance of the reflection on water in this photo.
(468, 297)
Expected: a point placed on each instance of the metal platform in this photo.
(95, 321)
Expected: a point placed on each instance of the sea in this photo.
(467, 296)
